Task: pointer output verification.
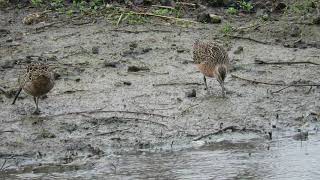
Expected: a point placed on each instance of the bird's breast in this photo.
(206, 70)
(38, 87)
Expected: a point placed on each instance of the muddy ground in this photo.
(102, 104)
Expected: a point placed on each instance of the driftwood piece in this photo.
(248, 38)
(177, 84)
(109, 111)
(272, 83)
(259, 61)
(232, 128)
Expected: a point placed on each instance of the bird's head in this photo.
(221, 74)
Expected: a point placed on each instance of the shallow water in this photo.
(281, 158)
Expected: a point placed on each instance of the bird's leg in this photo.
(205, 82)
(36, 100)
(17, 94)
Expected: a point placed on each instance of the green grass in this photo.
(232, 11)
(36, 2)
(132, 18)
(226, 29)
(301, 7)
(168, 12)
(246, 6)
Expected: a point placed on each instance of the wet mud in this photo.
(123, 93)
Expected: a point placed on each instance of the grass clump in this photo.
(246, 6)
(132, 18)
(168, 12)
(232, 11)
(301, 7)
(226, 29)
(242, 6)
(36, 3)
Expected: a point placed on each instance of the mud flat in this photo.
(122, 101)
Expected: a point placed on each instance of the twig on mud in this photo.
(164, 17)
(114, 168)
(273, 92)
(186, 4)
(119, 20)
(147, 120)
(4, 163)
(134, 119)
(141, 31)
(112, 132)
(179, 84)
(258, 61)
(37, 29)
(298, 40)
(65, 36)
(308, 92)
(277, 91)
(248, 38)
(315, 114)
(270, 83)
(255, 26)
(232, 128)
(79, 23)
(11, 131)
(3, 90)
(163, 7)
(109, 111)
(187, 109)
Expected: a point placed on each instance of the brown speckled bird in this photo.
(37, 81)
(212, 61)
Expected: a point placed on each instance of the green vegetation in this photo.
(4, 3)
(168, 12)
(113, 13)
(132, 18)
(246, 6)
(226, 29)
(77, 5)
(232, 11)
(57, 3)
(301, 7)
(36, 2)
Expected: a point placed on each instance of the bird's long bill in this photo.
(223, 90)
(17, 95)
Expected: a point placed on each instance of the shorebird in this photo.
(212, 61)
(37, 81)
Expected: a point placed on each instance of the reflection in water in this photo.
(283, 158)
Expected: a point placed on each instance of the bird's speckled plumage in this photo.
(210, 53)
(37, 81)
(212, 60)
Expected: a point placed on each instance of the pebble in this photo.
(208, 18)
(294, 30)
(192, 93)
(316, 20)
(136, 69)
(238, 50)
(8, 64)
(280, 7)
(111, 64)
(95, 50)
(128, 83)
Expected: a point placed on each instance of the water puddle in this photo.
(284, 157)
